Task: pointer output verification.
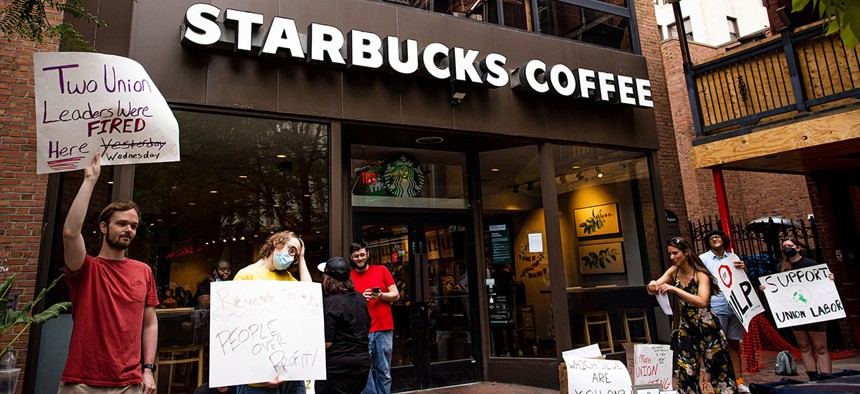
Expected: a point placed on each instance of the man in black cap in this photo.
(347, 323)
(718, 241)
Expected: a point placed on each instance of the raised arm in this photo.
(74, 249)
(304, 274)
(666, 278)
(700, 300)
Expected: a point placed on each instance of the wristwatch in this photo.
(151, 367)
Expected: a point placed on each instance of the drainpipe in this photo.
(723, 205)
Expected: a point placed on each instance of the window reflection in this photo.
(583, 24)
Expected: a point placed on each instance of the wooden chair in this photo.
(632, 316)
(526, 326)
(179, 360)
(601, 320)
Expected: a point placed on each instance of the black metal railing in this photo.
(758, 243)
(788, 73)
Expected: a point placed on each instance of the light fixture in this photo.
(599, 173)
(494, 170)
(429, 140)
(242, 239)
(282, 156)
(457, 92)
(576, 167)
(306, 195)
(516, 188)
(110, 182)
(276, 205)
(213, 191)
(243, 177)
(173, 212)
(192, 203)
(530, 186)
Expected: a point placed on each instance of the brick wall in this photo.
(750, 194)
(22, 192)
(670, 169)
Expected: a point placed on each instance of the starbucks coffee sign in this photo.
(207, 26)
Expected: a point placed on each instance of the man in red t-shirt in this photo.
(377, 285)
(113, 302)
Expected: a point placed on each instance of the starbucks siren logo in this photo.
(402, 176)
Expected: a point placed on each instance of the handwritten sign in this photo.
(592, 376)
(652, 364)
(802, 296)
(91, 104)
(263, 329)
(739, 291)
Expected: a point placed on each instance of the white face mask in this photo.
(283, 260)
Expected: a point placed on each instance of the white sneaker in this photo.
(742, 388)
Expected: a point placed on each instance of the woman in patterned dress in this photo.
(699, 334)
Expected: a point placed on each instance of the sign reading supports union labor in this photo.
(263, 329)
(802, 296)
(91, 104)
(739, 291)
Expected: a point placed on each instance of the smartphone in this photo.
(375, 290)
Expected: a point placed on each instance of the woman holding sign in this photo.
(699, 334)
(810, 337)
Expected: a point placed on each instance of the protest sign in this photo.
(262, 329)
(738, 289)
(91, 104)
(652, 364)
(590, 351)
(802, 296)
(594, 376)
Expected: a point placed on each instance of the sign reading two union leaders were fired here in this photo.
(802, 296)
(262, 329)
(739, 291)
(91, 104)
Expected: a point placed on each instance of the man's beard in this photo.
(117, 242)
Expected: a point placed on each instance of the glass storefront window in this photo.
(562, 19)
(518, 280)
(239, 180)
(407, 178)
(609, 240)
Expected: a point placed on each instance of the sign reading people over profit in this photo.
(596, 376)
(243, 32)
(91, 104)
(739, 291)
(263, 329)
(802, 296)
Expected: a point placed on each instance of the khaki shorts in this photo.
(80, 388)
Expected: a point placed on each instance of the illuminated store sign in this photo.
(361, 49)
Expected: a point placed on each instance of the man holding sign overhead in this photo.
(113, 302)
(734, 330)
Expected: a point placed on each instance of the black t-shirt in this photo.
(804, 262)
(347, 323)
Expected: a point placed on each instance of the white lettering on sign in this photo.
(326, 44)
(802, 296)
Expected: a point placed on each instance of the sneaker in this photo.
(742, 388)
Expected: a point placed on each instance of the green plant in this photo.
(600, 258)
(9, 317)
(595, 222)
(29, 19)
(842, 16)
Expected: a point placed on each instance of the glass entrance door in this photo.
(436, 340)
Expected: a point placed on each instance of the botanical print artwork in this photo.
(601, 258)
(596, 221)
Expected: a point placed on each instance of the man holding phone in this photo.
(377, 285)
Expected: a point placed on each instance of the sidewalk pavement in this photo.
(763, 376)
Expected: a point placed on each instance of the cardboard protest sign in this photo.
(739, 291)
(586, 375)
(262, 329)
(91, 104)
(652, 364)
(802, 296)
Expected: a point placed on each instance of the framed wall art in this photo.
(596, 221)
(602, 258)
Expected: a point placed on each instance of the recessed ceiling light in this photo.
(110, 182)
(429, 140)
(213, 191)
(576, 167)
(307, 195)
(159, 220)
(173, 212)
(494, 170)
(243, 177)
(282, 156)
(276, 205)
(192, 203)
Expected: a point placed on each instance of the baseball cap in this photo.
(336, 267)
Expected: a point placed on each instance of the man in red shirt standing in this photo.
(377, 285)
(113, 302)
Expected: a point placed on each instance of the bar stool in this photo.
(180, 359)
(600, 319)
(633, 316)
